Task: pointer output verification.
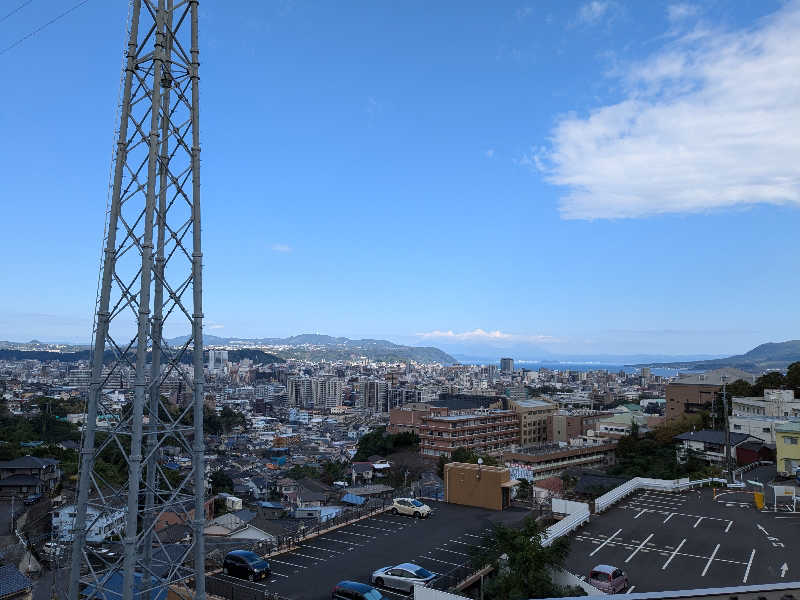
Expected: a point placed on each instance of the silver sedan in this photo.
(402, 577)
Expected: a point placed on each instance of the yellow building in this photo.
(478, 485)
(787, 447)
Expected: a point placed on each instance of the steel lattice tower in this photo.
(151, 277)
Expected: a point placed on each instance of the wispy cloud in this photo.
(523, 12)
(285, 248)
(596, 11)
(214, 326)
(711, 121)
(489, 153)
(480, 334)
(680, 11)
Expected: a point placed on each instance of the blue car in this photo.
(353, 590)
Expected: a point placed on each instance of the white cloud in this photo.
(480, 334)
(490, 153)
(214, 326)
(591, 13)
(281, 248)
(678, 12)
(711, 121)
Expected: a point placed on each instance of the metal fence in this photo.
(235, 590)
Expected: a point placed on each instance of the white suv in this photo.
(411, 507)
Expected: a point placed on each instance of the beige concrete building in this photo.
(533, 422)
(478, 485)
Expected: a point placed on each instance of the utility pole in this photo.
(150, 278)
(728, 469)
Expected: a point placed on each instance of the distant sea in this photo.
(535, 365)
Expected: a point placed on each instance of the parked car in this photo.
(410, 506)
(608, 579)
(402, 577)
(32, 499)
(353, 590)
(245, 565)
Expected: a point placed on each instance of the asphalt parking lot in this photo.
(668, 541)
(440, 543)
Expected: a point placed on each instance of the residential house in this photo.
(709, 445)
(29, 475)
(99, 526)
(787, 448)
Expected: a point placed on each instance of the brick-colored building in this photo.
(564, 426)
(533, 419)
(485, 431)
(694, 393)
(554, 460)
(409, 416)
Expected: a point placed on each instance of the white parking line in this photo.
(749, 564)
(442, 561)
(710, 559)
(466, 544)
(376, 528)
(729, 526)
(323, 549)
(452, 551)
(630, 589)
(669, 516)
(317, 558)
(347, 542)
(697, 522)
(596, 550)
(640, 514)
(639, 547)
(283, 562)
(674, 552)
(279, 575)
(473, 535)
(372, 537)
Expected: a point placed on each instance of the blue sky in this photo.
(584, 177)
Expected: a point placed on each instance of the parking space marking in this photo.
(596, 550)
(674, 552)
(729, 526)
(639, 547)
(669, 516)
(470, 545)
(316, 558)
(372, 537)
(473, 535)
(697, 522)
(323, 549)
(393, 592)
(347, 542)
(283, 562)
(441, 561)
(749, 564)
(630, 589)
(377, 528)
(279, 575)
(452, 551)
(710, 560)
(640, 514)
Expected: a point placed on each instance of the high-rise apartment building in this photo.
(374, 395)
(326, 392)
(401, 396)
(533, 419)
(298, 391)
(217, 360)
(507, 365)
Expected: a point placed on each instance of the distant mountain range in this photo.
(772, 355)
(314, 346)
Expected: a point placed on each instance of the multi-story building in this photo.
(694, 393)
(409, 416)
(298, 392)
(100, 528)
(507, 365)
(485, 431)
(787, 448)
(533, 419)
(553, 460)
(217, 360)
(374, 395)
(565, 425)
(326, 392)
(402, 396)
(775, 403)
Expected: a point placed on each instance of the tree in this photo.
(523, 567)
(740, 388)
(383, 444)
(793, 377)
(463, 455)
(773, 380)
(221, 482)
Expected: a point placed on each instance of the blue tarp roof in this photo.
(353, 499)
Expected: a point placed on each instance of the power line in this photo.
(16, 10)
(35, 31)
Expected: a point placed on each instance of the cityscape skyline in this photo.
(469, 125)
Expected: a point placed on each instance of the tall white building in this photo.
(326, 392)
(217, 360)
(299, 393)
(374, 395)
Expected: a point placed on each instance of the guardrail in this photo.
(643, 483)
(566, 525)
